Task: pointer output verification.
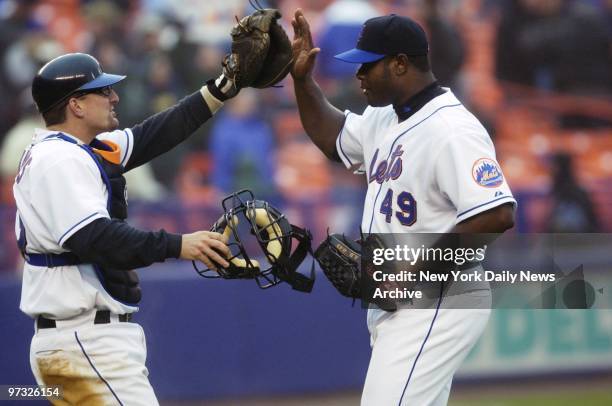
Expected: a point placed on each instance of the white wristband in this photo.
(213, 103)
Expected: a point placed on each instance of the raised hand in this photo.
(304, 53)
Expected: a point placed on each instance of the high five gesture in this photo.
(304, 52)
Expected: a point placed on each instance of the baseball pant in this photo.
(416, 352)
(95, 364)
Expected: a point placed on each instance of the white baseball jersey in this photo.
(425, 175)
(59, 190)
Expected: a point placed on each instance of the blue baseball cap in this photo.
(66, 75)
(387, 35)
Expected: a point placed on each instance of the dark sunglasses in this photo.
(102, 91)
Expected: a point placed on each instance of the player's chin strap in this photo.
(287, 271)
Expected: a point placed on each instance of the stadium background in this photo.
(538, 73)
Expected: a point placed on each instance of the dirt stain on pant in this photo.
(79, 382)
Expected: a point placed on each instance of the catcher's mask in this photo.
(273, 233)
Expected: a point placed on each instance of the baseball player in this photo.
(78, 278)
(430, 167)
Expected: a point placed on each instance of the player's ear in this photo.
(76, 107)
(400, 64)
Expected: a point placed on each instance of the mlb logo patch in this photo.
(486, 173)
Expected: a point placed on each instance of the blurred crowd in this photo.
(538, 73)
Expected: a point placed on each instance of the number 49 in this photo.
(407, 213)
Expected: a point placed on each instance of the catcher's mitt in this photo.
(261, 51)
(340, 260)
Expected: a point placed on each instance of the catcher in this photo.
(79, 283)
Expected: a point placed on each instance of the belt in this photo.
(52, 260)
(102, 317)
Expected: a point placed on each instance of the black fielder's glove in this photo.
(261, 53)
(340, 260)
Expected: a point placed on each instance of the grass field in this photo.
(595, 391)
(575, 398)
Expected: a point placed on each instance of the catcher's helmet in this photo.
(273, 233)
(68, 74)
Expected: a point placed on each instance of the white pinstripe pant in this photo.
(416, 352)
(96, 364)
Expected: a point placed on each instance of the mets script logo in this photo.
(386, 169)
(486, 173)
